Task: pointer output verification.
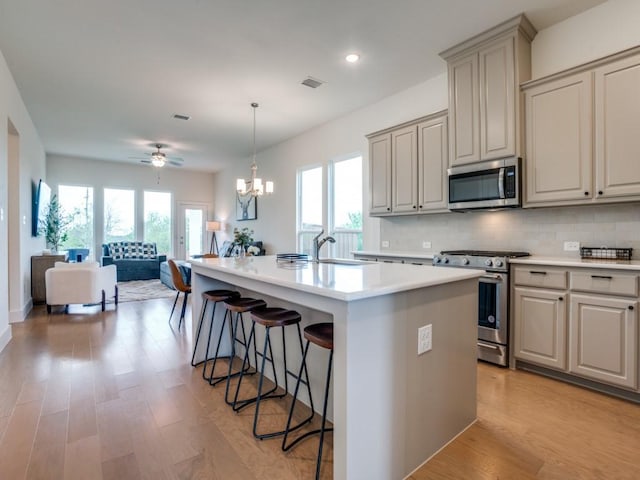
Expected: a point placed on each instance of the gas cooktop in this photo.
(486, 253)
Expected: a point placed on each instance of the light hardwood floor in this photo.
(111, 395)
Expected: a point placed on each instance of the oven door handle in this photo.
(496, 277)
(489, 346)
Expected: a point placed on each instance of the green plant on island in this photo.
(242, 237)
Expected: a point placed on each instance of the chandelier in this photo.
(253, 186)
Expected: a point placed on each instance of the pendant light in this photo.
(254, 185)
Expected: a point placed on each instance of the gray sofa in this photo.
(133, 260)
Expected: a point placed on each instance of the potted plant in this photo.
(54, 224)
(242, 238)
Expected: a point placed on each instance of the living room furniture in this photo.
(77, 254)
(85, 283)
(180, 286)
(39, 265)
(135, 260)
(214, 227)
(185, 270)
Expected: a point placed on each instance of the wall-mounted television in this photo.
(41, 200)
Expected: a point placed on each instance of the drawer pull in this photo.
(536, 272)
(602, 277)
(560, 299)
(630, 307)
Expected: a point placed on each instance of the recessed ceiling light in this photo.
(352, 58)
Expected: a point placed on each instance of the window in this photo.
(157, 220)
(77, 202)
(309, 209)
(119, 215)
(344, 195)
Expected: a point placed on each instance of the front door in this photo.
(191, 235)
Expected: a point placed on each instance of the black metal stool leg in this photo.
(195, 345)
(184, 308)
(174, 306)
(323, 428)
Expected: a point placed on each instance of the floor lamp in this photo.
(214, 227)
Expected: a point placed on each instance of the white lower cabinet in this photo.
(540, 329)
(586, 327)
(603, 339)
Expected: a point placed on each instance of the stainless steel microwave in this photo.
(486, 185)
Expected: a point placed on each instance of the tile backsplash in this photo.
(540, 231)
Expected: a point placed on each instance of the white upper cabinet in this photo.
(432, 165)
(404, 169)
(582, 142)
(559, 132)
(617, 105)
(408, 167)
(485, 73)
(380, 173)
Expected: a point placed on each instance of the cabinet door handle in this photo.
(600, 192)
(586, 194)
(537, 272)
(630, 307)
(560, 299)
(602, 277)
(388, 209)
(414, 206)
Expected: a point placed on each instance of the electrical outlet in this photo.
(426, 244)
(424, 339)
(571, 246)
(385, 244)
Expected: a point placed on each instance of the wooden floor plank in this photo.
(101, 396)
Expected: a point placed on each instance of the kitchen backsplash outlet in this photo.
(540, 231)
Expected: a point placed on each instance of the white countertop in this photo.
(389, 253)
(577, 262)
(342, 282)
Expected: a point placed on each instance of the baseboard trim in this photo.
(17, 316)
(5, 337)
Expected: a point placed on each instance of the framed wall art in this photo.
(246, 207)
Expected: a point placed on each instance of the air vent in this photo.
(179, 116)
(312, 82)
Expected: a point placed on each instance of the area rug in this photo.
(143, 290)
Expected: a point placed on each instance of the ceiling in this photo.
(103, 79)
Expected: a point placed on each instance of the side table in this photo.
(39, 265)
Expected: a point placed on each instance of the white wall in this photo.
(16, 203)
(603, 30)
(185, 185)
(277, 213)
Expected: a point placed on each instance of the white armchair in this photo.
(84, 282)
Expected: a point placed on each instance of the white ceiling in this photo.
(102, 79)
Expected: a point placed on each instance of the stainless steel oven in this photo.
(493, 298)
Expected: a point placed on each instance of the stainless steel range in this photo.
(493, 296)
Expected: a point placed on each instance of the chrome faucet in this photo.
(317, 243)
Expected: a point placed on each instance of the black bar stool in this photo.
(213, 296)
(237, 305)
(320, 334)
(270, 318)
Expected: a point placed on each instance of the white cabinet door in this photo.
(617, 113)
(404, 170)
(464, 111)
(540, 327)
(497, 102)
(380, 174)
(559, 141)
(432, 165)
(604, 339)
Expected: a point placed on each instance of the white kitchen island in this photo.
(392, 408)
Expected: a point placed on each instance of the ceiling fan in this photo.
(159, 159)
